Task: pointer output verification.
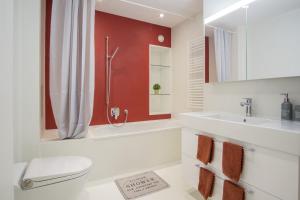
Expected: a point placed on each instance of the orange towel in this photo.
(205, 149)
(206, 182)
(232, 160)
(232, 191)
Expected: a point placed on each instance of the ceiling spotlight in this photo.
(161, 15)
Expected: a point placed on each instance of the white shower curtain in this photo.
(222, 40)
(72, 65)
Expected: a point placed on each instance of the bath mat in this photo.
(140, 185)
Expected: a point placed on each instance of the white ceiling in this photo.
(175, 11)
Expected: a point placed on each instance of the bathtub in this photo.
(118, 150)
(132, 128)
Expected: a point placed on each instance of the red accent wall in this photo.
(130, 72)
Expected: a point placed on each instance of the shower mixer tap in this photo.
(115, 112)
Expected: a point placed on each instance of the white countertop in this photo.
(274, 134)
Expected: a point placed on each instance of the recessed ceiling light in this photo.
(161, 15)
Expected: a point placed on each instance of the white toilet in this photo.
(59, 178)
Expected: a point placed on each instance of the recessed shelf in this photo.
(160, 73)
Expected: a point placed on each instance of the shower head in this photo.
(115, 52)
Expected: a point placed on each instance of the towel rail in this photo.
(219, 141)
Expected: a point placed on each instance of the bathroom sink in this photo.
(238, 119)
(274, 134)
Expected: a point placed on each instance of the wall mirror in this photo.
(256, 40)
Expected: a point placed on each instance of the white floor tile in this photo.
(177, 190)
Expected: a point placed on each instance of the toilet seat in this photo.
(46, 171)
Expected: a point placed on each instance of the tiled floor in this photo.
(177, 190)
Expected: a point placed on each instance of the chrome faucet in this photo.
(248, 105)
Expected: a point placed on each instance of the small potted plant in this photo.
(156, 88)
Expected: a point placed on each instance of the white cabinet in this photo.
(160, 72)
(191, 175)
(269, 174)
(189, 142)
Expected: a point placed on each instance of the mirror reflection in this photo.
(255, 41)
(227, 47)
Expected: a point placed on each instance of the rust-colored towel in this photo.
(232, 191)
(205, 149)
(206, 182)
(232, 160)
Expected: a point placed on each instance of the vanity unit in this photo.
(271, 168)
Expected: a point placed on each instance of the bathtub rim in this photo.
(51, 135)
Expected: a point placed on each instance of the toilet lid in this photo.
(62, 168)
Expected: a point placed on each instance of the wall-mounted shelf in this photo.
(160, 94)
(160, 66)
(160, 71)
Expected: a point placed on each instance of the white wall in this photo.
(265, 93)
(20, 86)
(181, 35)
(6, 98)
(27, 57)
